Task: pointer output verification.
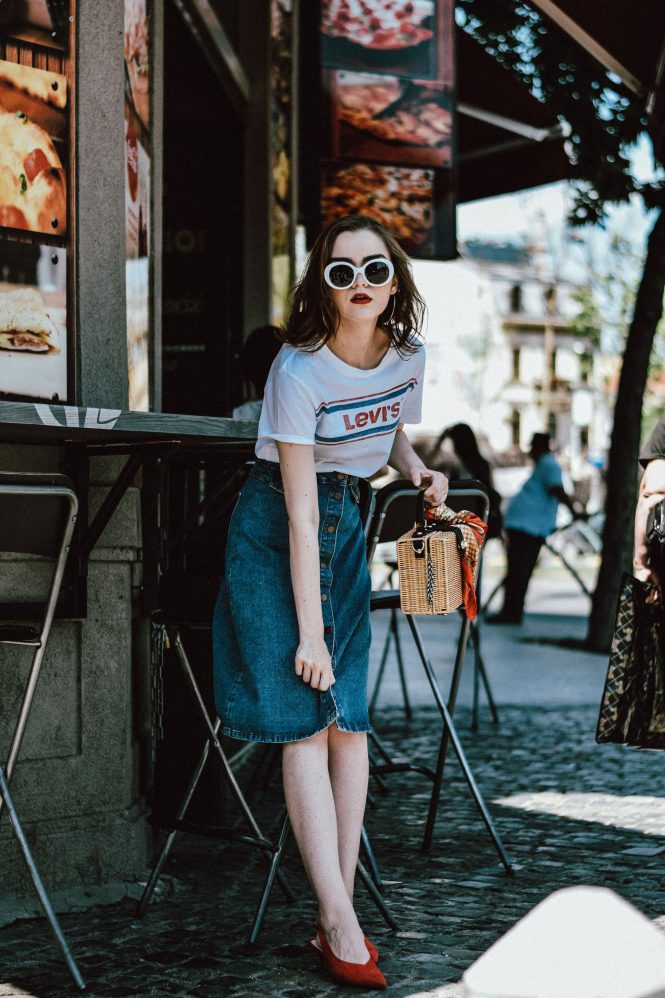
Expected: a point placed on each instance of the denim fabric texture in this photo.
(258, 695)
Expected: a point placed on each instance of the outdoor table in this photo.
(144, 438)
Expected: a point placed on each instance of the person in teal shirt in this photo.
(529, 519)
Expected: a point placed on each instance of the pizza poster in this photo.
(33, 131)
(36, 22)
(387, 119)
(389, 112)
(401, 37)
(137, 202)
(33, 320)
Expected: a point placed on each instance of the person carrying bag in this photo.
(632, 709)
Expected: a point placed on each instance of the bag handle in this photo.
(423, 527)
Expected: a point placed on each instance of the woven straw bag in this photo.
(429, 561)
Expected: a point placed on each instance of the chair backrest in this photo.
(395, 508)
(35, 513)
(367, 503)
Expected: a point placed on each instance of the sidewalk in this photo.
(569, 812)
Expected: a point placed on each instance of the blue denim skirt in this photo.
(258, 695)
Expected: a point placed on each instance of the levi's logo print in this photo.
(361, 417)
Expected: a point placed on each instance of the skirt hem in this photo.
(253, 736)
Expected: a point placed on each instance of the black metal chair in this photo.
(272, 848)
(393, 515)
(37, 517)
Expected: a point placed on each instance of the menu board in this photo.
(389, 104)
(137, 200)
(34, 165)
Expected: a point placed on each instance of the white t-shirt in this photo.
(348, 414)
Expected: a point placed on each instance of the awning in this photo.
(507, 140)
(628, 38)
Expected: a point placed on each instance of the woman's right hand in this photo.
(313, 664)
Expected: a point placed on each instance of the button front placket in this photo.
(331, 514)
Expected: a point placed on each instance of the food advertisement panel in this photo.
(388, 108)
(281, 31)
(33, 320)
(401, 199)
(36, 22)
(33, 122)
(388, 36)
(137, 201)
(34, 167)
(391, 120)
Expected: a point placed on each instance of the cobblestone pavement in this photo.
(569, 811)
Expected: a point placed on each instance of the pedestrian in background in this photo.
(291, 632)
(529, 519)
(256, 357)
(472, 464)
(652, 491)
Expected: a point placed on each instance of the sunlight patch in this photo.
(636, 814)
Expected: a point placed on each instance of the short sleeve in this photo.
(549, 473)
(412, 407)
(288, 411)
(655, 445)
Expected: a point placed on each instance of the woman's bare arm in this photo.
(312, 660)
(404, 459)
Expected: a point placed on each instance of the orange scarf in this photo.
(468, 558)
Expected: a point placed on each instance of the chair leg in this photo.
(37, 881)
(371, 858)
(170, 839)
(480, 675)
(381, 670)
(449, 732)
(476, 694)
(394, 624)
(473, 787)
(217, 746)
(270, 879)
(24, 713)
(375, 896)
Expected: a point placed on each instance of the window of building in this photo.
(516, 363)
(515, 298)
(515, 427)
(551, 425)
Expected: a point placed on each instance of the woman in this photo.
(291, 629)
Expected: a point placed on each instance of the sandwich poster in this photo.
(137, 200)
(33, 201)
(33, 321)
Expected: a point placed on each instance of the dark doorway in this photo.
(203, 202)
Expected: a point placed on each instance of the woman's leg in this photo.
(348, 765)
(312, 809)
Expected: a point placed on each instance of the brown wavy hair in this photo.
(314, 317)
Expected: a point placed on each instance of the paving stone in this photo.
(597, 821)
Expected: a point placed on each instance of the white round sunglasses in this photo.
(341, 275)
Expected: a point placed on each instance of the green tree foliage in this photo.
(605, 119)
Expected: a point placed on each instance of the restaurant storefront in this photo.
(162, 160)
(163, 165)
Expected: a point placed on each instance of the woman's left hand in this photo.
(437, 490)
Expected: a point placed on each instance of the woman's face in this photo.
(362, 301)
